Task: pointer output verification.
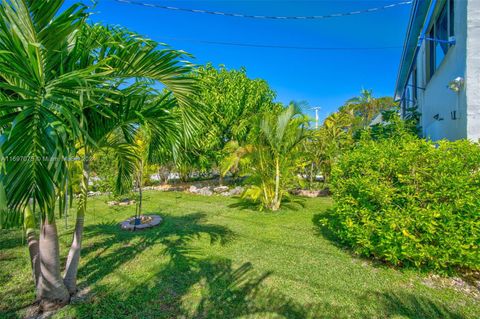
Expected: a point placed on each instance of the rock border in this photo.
(218, 190)
(156, 220)
(311, 193)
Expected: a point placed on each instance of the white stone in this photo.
(220, 189)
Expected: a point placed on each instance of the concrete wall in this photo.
(437, 98)
(472, 76)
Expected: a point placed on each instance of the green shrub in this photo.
(410, 202)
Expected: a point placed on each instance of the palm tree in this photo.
(365, 107)
(157, 136)
(59, 77)
(139, 108)
(274, 155)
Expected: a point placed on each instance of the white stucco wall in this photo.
(437, 98)
(472, 76)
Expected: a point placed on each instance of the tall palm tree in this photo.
(59, 77)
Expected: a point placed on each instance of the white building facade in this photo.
(439, 73)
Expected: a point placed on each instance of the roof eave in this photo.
(418, 16)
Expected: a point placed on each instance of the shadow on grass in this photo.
(406, 305)
(222, 290)
(320, 221)
(194, 285)
(293, 204)
(130, 244)
(10, 238)
(244, 204)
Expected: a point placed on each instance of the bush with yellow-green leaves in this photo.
(410, 202)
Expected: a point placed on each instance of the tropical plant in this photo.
(365, 107)
(341, 129)
(60, 82)
(156, 138)
(138, 109)
(235, 158)
(334, 137)
(326, 144)
(274, 160)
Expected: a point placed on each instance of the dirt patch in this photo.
(468, 283)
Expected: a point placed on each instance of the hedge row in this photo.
(410, 202)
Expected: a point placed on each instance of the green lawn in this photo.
(214, 259)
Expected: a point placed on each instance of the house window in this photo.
(410, 95)
(451, 10)
(440, 31)
(414, 86)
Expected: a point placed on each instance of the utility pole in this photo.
(317, 108)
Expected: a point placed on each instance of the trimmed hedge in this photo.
(410, 202)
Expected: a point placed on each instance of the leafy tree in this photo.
(231, 103)
(103, 167)
(61, 94)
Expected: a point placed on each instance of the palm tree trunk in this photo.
(51, 290)
(73, 259)
(166, 175)
(140, 192)
(32, 241)
(34, 252)
(265, 193)
(276, 204)
(311, 175)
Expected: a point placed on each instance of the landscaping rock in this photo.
(235, 191)
(221, 189)
(123, 202)
(126, 203)
(311, 193)
(205, 191)
(128, 225)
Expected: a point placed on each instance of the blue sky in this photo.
(321, 78)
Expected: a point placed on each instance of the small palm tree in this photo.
(274, 160)
(157, 137)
